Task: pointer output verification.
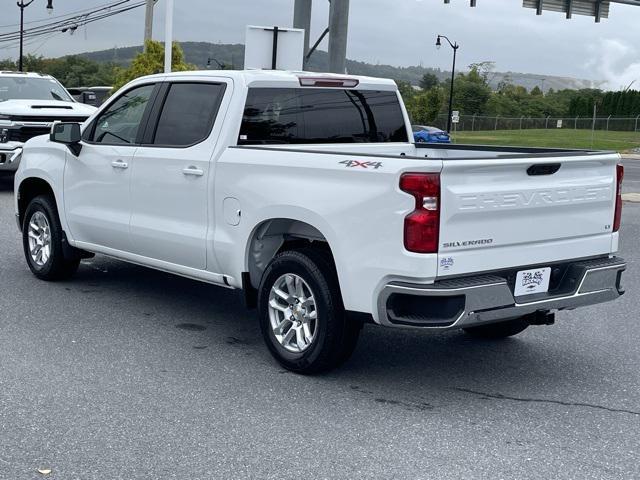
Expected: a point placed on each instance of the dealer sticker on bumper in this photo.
(529, 282)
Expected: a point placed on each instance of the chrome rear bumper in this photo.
(472, 301)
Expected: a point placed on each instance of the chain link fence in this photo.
(472, 123)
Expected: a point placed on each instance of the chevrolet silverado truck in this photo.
(307, 192)
(29, 104)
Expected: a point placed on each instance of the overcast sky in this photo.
(396, 32)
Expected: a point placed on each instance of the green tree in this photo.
(406, 90)
(151, 62)
(71, 71)
(503, 106)
(472, 91)
(485, 70)
(428, 81)
(536, 92)
(75, 71)
(425, 106)
(7, 65)
(582, 102)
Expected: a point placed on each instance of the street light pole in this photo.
(22, 6)
(455, 48)
(168, 37)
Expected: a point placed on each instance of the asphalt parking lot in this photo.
(127, 373)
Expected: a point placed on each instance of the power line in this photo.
(77, 20)
(32, 42)
(14, 44)
(71, 14)
(71, 24)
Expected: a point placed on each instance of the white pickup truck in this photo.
(307, 192)
(29, 104)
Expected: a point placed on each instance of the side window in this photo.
(188, 113)
(120, 122)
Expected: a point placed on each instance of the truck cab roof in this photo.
(280, 78)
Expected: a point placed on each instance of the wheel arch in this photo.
(29, 189)
(274, 235)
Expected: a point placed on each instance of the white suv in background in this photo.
(29, 104)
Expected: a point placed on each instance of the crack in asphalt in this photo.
(411, 406)
(499, 396)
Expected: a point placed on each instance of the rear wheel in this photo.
(42, 241)
(302, 317)
(496, 331)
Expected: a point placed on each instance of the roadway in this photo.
(127, 373)
(631, 174)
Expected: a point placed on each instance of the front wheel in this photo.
(302, 317)
(42, 241)
(496, 331)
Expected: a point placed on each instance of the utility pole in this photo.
(168, 37)
(339, 29)
(302, 19)
(148, 22)
(22, 6)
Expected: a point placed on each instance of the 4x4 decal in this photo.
(356, 163)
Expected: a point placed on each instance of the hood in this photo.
(45, 108)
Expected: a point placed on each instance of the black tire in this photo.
(336, 335)
(57, 267)
(497, 331)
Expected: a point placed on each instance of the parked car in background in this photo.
(84, 95)
(95, 96)
(422, 134)
(29, 104)
(102, 93)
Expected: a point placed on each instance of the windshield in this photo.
(29, 88)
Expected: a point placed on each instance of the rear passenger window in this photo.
(321, 115)
(188, 114)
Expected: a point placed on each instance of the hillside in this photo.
(233, 55)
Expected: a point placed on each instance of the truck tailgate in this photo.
(516, 211)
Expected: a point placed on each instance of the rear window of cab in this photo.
(321, 115)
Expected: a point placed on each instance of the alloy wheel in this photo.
(39, 239)
(293, 313)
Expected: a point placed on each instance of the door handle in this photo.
(196, 172)
(120, 164)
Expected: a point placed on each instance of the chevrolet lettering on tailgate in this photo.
(535, 198)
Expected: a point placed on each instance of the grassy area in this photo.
(558, 138)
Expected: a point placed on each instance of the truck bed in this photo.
(495, 213)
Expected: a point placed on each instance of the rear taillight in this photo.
(422, 226)
(617, 217)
